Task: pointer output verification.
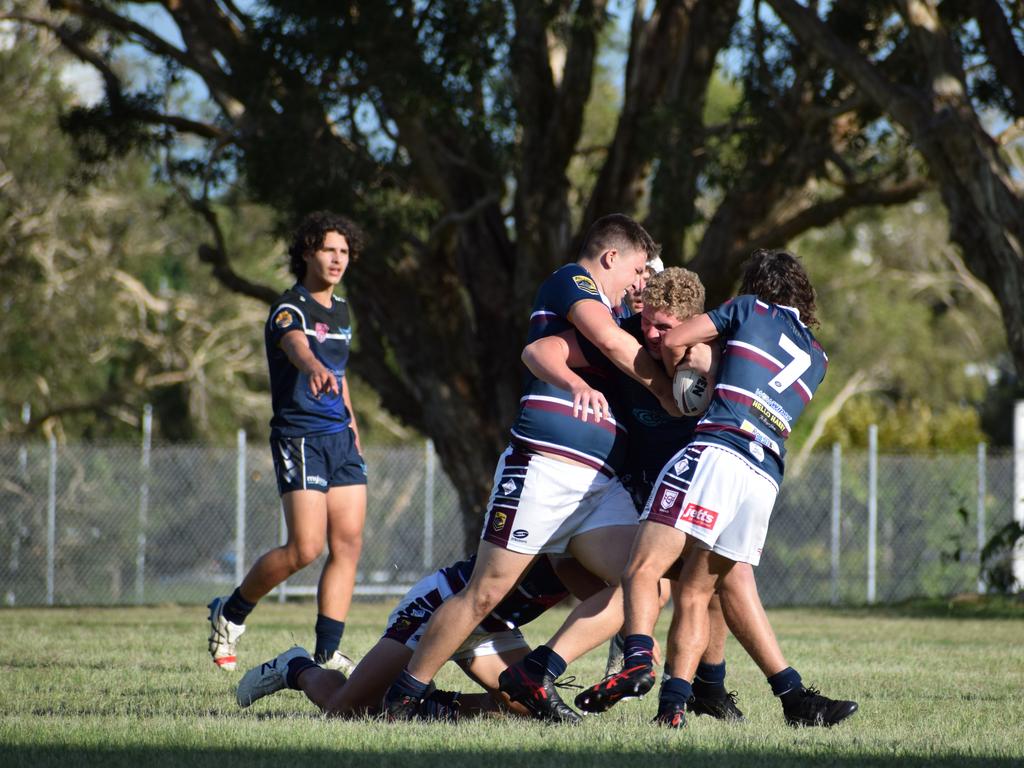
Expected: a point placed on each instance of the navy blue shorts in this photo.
(317, 463)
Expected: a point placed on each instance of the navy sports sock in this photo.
(296, 667)
(786, 684)
(544, 661)
(638, 651)
(407, 685)
(237, 608)
(675, 691)
(709, 680)
(328, 637)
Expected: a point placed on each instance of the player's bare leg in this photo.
(655, 549)
(496, 572)
(346, 516)
(305, 515)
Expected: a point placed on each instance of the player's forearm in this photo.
(299, 354)
(547, 361)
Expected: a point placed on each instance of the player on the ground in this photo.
(669, 298)
(555, 487)
(496, 643)
(714, 498)
(314, 440)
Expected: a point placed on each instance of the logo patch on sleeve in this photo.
(586, 284)
(283, 319)
(698, 515)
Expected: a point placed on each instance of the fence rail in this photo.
(87, 524)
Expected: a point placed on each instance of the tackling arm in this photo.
(593, 321)
(550, 358)
(674, 345)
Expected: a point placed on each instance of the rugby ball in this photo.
(692, 391)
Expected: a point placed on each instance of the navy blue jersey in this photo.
(296, 412)
(654, 435)
(545, 421)
(770, 369)
(539, 590)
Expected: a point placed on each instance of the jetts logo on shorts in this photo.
(698, 515)
(321, 332)
(498, 521)
(316, 480)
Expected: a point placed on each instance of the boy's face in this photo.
(654, 324)
(625, 271)
(328, 263)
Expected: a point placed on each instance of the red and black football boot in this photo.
(627, 684)
(538, 696)
(670, 715)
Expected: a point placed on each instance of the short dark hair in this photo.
(310, 234)
(618, 231)
(778, 277)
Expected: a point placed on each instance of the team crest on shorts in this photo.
(283, 319)
(668, 498)
(321, 332)
(498, 522)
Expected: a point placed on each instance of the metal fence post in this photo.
(282, 539)
(51, 522)
(837, 501)
(872, 510)
(26, 417)
(428, 507)
(140, 554)
(981, 512)
(240, 509)
(1018, 491)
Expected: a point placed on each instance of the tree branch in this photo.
(1003, 52)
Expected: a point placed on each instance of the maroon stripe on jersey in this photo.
(578, 458)
(724, 428)
(566, 410)
(760, 308)
(736, 397)
(801, 391)
(749, 354)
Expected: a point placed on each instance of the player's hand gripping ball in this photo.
(692, 391)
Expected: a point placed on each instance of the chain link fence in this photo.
(113, 524)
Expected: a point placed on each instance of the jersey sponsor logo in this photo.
(756, 451)
(668, 498)
(760, 436)
(700, 516)
(321, 332)
(586, 284)
(316, 480)
(283, 319)
(779, 411)
(498, 521)
(768, 418)
(649, 418)
(520, 533)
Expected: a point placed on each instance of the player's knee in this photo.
(304, 553)
(482, 601)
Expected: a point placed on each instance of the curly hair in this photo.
(778, 277)
(309, 238)
(677, 291)
(618, 231)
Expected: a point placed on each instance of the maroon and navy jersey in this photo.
(545, 421)
(297, 413)
(770, 369)
(539, 590)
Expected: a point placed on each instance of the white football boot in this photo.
(340, 662)
(269, 677)
(223, 635)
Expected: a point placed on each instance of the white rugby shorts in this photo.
(716, 496)
(408, 621)
(538, 504)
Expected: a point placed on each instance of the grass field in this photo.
(938, 684)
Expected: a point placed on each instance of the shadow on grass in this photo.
(470, 757)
